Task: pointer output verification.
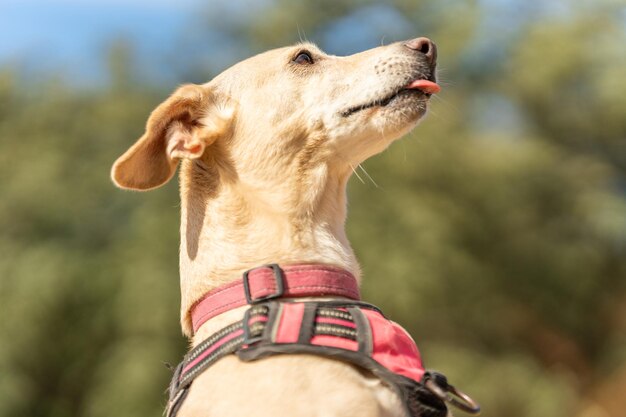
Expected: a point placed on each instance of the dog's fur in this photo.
(267, 148)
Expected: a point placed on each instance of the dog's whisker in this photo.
(301, 34)
(445, 83)
(435, 114)
(357, 174)
(368, 176)
(403, 144)
(446, 103)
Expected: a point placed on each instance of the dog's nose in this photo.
(425, 46)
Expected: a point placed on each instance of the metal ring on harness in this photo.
(439, 386)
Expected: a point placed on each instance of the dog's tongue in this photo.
(426, 86)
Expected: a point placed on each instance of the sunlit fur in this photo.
(267, 150)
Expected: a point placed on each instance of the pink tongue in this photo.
(426, 86)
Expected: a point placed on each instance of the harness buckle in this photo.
(438, 385)
(279, 279)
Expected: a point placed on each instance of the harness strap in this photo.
(272, 322)
(338, 329)
(348, 330)
(270, 282)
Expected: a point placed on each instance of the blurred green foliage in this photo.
(495, 232)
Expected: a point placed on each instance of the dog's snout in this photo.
(425, 46)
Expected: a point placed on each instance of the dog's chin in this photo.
(407, 106)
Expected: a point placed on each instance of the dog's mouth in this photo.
(422, 87)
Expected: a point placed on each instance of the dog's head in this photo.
(287, 109)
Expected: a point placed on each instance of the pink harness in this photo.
(345, 329)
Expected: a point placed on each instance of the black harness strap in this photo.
(257, 325)
(254, 337)
(311, 310)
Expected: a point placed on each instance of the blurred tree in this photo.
(72, 254)
(576, 98)
(496, 233)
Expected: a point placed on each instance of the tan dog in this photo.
(267, 148)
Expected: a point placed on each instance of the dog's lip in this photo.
(427, 86)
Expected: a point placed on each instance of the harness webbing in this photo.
(336, 322)
(228, 340)
(347, 330)
(273, 281)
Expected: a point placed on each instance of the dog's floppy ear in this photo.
(180, 127)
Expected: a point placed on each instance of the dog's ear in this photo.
(183, 126)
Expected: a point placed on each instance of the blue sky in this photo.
(66, 27)
(70, 35)
(69, 38)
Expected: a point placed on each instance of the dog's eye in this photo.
(303, 57)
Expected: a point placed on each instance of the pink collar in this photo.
(271, 281)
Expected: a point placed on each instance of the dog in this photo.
(266, 150)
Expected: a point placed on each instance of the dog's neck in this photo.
(229, 225)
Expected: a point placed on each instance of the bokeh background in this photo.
(495, 232)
